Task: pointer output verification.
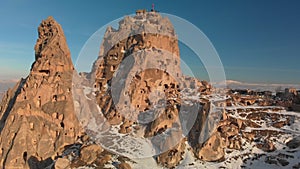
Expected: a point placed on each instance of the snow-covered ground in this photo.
(250, 156)
(140, 150)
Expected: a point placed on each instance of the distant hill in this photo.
(258, 86)
(4, 85)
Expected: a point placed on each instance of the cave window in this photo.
(172, 85)
(55, 98)
(112, 67)
(138, 77)
(25, 156)
(45, 71)
(62, 124)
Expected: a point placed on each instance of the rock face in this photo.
(143, 39)
(144, 54)
(213, 149)
(139, 82)
(37, 116)
(88, 154)
(62, 163)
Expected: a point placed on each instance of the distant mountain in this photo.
(6, 84)
(232, 84)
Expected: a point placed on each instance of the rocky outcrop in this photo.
(142, 53)
(213, 149)
(140, 87)
(62, 163)
(141, 42)
(90, 153)
(124, 166)
(38, 114)
(139, 83)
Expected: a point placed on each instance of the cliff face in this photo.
(37, 116)
(140, 86)
(144, 41)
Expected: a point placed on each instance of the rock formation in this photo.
(37, 116)
(143, 41)
(139, 83)
(139, 90)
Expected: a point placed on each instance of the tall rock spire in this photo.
(51, 50)
(38, 116)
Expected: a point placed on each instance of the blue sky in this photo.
(257, 41)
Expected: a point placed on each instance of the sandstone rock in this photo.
(147, 39)
(30, 131)
(267, 146)
(213, 149)
(279, 124)
(172, 157)
(153, 38)
(105, 159)
(124, 165)
(234, 143)
(62, 163)
(88, 154)
(196, 136)
(126, 127)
